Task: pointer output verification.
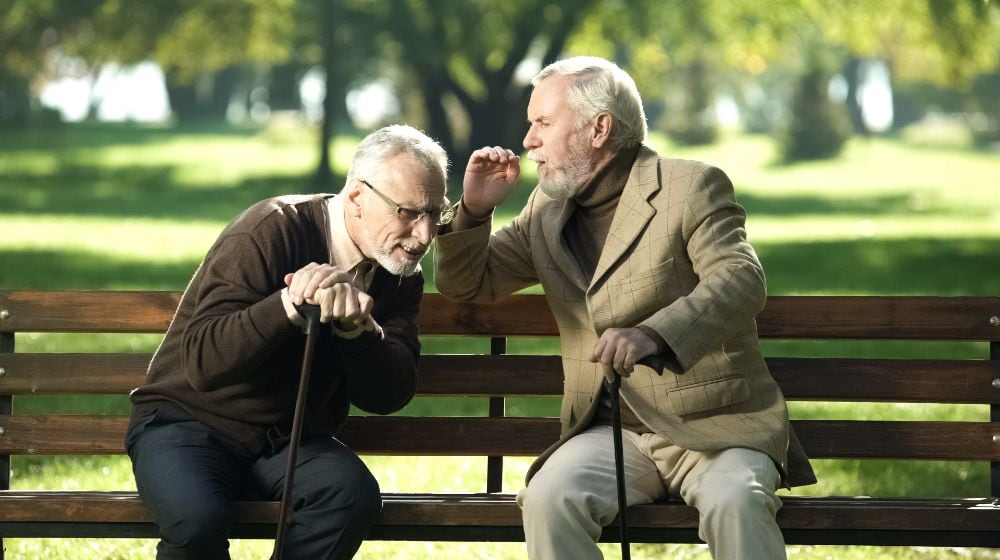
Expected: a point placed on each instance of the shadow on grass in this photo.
(139, 191)
(883, 266)
(30, 269)
(69, 137)
(784, 205)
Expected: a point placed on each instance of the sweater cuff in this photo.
(270, 318)
(362, 342)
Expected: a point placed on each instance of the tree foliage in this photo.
(464, 59)
(187, 35)
(461, 68)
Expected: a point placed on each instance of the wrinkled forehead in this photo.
(409, 180)
(550, 98)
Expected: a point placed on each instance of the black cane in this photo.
(616, 428)
(311, 314)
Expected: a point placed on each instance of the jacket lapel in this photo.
(554, 218)
(632, 214)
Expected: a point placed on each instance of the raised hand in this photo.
(490, 176)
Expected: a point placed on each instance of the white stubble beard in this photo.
(567, 180)
(383, 255)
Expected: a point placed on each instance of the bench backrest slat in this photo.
(88, 312)
(831, 379)
(784, 317)
(856, 379)
(879, 317)
(377, 435)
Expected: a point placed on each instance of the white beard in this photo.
(566, 180)
(383, 255)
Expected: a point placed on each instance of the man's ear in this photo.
(352, 200)
(601, 134)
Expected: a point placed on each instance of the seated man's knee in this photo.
(732, 498)
(367, 499)
(554, 496)
(358, 492)
(202, 525)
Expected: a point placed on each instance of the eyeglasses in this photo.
(440, 217)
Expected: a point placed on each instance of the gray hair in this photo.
(600, 86)
(392, 140)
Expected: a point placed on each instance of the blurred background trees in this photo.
(810, 73)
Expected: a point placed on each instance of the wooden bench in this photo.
(492, 515)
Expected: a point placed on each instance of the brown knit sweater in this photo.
(231, 358)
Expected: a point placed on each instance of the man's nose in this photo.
(425, 229)
(531, 140)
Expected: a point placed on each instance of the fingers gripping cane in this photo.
(311, 314)
(616, 427)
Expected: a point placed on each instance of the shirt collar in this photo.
(344, 252)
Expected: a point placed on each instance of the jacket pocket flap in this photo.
(708, 395)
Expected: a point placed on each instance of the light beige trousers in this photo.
(574, 494)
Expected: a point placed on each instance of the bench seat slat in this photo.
(464, 436)
(783, 317)
(830, 379)
(457, 510)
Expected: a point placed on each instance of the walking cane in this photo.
(616, 427)
(311, 314)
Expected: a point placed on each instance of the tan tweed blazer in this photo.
(677, 260)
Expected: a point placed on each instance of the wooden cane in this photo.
(311, 314)
(616, 427)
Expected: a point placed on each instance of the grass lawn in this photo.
(106, 207)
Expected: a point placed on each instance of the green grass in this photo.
(119, 207)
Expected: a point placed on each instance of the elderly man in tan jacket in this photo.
(646, 266)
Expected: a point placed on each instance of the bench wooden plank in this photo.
(455, 436)
(86, 312)
(854, 379)
(72, 373)
(467, 375)
(828, 379)
(784, 317)
(964, 441)
(879, 317)
(497, 510)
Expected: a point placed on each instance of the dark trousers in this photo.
(190, 478)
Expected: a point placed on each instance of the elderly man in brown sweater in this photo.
(212, 422)
(640, 257)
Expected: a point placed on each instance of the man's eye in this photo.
(411, 215)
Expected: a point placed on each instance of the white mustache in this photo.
(536, 157)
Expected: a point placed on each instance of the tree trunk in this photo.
(852, 75)
(324, 171)
(283, 90)
(433, 90)
(207, 98)
(15, 99)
